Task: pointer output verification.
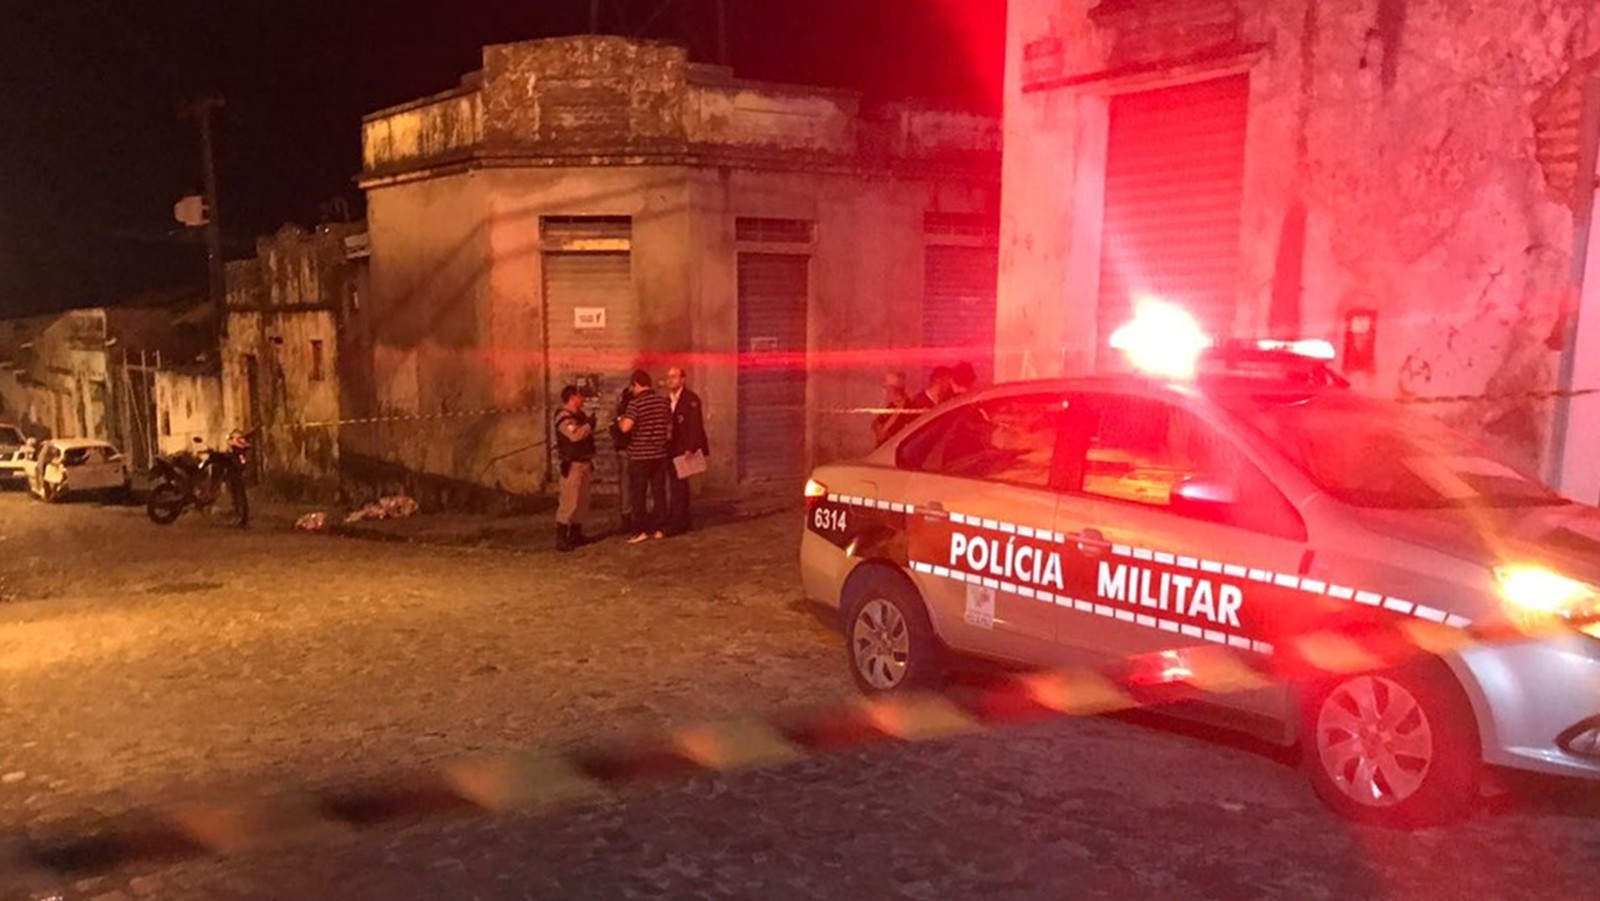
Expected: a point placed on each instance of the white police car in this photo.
(1091, 520)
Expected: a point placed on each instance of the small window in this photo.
(761, 230)
(587, 233)
(1142, 450)
(166, 422)
(960, 225)
(1008, 439)
(317, 373)
(78, 456)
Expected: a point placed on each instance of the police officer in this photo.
(575, 447)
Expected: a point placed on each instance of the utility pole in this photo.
(200, 110)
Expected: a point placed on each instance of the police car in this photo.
(1099, 519)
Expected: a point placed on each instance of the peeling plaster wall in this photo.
(590, 126)
(188, 406)
(584, 90)
(567, 99)
(428, 129)
(426, 317)
(684, 272)
(60, 385)
(1392, 163)
(751, 116)
(284, 310)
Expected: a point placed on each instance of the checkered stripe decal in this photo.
(1146, 555)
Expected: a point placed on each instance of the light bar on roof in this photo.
(1311, 348)
(1162, 339)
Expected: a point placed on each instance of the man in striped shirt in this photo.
(648, 423)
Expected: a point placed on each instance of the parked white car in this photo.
(78, 466)
(16, 457)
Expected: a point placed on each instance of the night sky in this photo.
(93, 154)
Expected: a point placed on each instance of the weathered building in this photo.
(188, 405)
(91, 373)
(584, 205)
(1409, 177)
(281, 353)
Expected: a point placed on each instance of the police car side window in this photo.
(1009, 439)
(1143, 449)
(922, 445)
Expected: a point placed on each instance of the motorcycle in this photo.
(196, 479)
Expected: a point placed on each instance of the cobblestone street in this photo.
(142, 665)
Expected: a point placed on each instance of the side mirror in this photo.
(1212, 500)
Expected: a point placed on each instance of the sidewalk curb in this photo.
(484, 534)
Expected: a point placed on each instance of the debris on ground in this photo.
(312, 522)
(397, 507)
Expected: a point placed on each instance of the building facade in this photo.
(583, 206)
(281, 352)
(93, 373)
(1411, 179)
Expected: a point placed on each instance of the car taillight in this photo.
(815, 492)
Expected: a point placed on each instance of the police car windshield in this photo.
(10, 437)
(1372, 453)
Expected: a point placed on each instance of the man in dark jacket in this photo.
(940, 389)
(688, 437)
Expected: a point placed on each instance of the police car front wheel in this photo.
(888, 639)
(1395, 748)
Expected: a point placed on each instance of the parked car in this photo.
(78, 466)
(1126, 518)
(16, 457)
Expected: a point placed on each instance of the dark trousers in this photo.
(648, 477)
(678, 519)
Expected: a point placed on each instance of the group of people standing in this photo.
(900, 408)
(661, 443)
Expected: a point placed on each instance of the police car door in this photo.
(981, 540)
(1183, 535)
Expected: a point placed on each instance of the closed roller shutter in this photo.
(958, 301)
(574, 281)
(773, 291)
(1174, 186)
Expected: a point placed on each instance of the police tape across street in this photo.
(533, 781)
(866, 411)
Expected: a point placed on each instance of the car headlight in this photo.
(1538, 598)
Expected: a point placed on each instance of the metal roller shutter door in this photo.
(591, 280)
(1174, 187)
(773, 292)
(958, 302)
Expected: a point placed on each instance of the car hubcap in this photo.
(1374, 741)
(881, 644)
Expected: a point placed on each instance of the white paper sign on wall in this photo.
(584, 318)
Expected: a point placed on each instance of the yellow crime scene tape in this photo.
(537, 781)
(876, 411)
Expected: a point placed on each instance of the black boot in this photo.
(563, 537)
(575, 534)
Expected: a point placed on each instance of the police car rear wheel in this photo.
(888, 639)
(1398, 748)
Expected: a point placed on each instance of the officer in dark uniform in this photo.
(575, 448)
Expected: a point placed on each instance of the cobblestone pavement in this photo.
(141, 665)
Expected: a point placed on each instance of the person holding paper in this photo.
(690, 448)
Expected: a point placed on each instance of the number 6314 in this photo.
(829, 520)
